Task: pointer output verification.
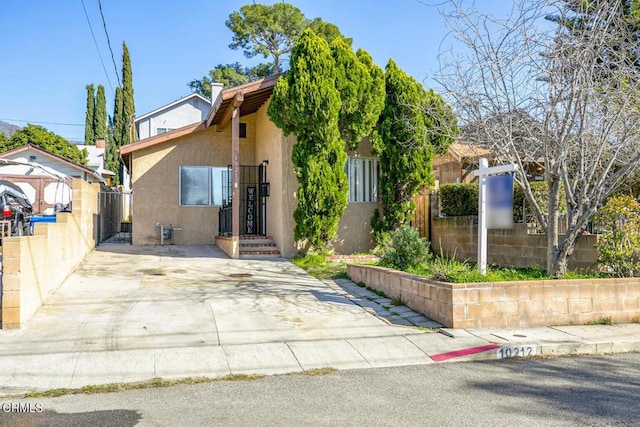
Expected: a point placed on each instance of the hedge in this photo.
(462, 199)
(459, 199)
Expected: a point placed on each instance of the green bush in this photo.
(462, 199)
(406, 249)
(459, 199)
(619, 245)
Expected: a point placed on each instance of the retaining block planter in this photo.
(507, 304)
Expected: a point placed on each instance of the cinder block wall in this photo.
(508, 304)
(509, 248)
(35, 266)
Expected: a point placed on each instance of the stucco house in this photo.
(230, 177)
(177, 114)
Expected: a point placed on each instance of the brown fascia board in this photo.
(159, 139)
(245, 89)
(44, 152)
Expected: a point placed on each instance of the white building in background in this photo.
(45, 177)
(183, 112)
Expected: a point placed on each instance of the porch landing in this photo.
(248, 246)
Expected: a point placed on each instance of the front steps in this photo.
(258, 247)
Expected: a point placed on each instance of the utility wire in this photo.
(43, 123)
(96, 43)
(104, 24)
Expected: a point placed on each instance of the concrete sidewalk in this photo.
(131, 313)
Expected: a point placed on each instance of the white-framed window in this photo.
(160, 131)
(363, 179)
(203, 185)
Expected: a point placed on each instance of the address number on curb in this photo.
(522, 351)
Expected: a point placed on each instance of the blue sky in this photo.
(49, 56)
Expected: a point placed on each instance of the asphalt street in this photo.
(568, 391)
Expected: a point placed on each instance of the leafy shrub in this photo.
(446, 267)
(406, 249)
(619, 245)
(459, 199)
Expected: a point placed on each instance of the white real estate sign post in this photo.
(483, 173)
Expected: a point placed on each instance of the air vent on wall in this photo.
(243, 130)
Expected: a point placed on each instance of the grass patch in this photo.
(153, 383)
(449, 269)
(379, 293)
(315, 372)
(601, 321)
(320, 267)
(361, 284)
(397, 301)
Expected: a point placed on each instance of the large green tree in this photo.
(266, 30)
(112, 159)
(45, 139)
(318, 101)
(118, 131)
(128, 105)
(263, 30)
(229, 75)
(414, 126)
(360, 84)
(306, 103)
(100, 115)
(89, 135)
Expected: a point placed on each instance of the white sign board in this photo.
(483, 173)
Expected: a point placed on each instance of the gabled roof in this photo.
(163, 137)
(174, 103)
(51, 155)
(254, 95)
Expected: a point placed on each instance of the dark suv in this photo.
(15, 207)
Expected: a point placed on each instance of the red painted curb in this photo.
(464, 352)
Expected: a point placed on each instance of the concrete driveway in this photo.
(149, 297)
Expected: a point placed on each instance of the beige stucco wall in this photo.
(156, 177)
(35, 266)
(156, 187)
(272, 145)
(354, 229)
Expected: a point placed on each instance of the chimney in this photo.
(216, 90)
(100, 143)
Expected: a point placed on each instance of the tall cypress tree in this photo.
(89, 136)
(413, 127)
(306, 102)
(118, 131)
(118, 118)
(129, 110)
(360, 84)
(100, 115)
(112, 160)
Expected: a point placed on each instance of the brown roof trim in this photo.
(246, 89)
(44, 152)
(227, 96)
(159, 139)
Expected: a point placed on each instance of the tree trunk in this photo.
(556, 261)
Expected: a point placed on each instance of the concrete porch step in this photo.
(255, 254)
(258, 246)
(265, 244)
